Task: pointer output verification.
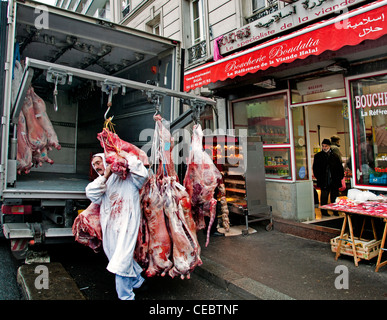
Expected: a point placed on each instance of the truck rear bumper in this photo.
(28, 231)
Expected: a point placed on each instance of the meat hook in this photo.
(105, 115)
(110, 102)
(55, 94)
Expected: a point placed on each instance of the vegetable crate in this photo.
(365, 249)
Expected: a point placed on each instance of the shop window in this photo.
(277, 163)
(300, 143)
(321, 88)
(369, 123)
(265, 116)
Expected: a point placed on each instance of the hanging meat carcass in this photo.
(112, 145)
(159, 242)
(43, 119)
(186, 248)
(87, 228)
(24, 152)
(172, 242)
(35, 134)
(201, 179)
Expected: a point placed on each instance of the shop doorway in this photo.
(324, 120)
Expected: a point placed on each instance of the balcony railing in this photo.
(197, 51)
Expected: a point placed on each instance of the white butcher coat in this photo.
(120, 214)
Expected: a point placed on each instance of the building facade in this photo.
(95, 8)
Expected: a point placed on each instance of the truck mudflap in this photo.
(19, 248)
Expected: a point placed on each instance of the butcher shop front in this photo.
(368, 97)
(329, 81)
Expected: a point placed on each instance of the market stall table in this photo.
(372, 209)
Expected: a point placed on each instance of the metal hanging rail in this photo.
(105, 81)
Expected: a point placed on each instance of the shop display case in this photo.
(277, 163)
(241, 162)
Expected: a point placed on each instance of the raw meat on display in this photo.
(200, 181)
(172, 243)
(35, 134)
(24, 152)
(87, 228)
(112, 146)
(43, 119)
(185, 248)
(159, 243)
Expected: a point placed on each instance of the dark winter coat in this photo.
(327, 178)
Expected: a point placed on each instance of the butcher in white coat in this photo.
(120, 219)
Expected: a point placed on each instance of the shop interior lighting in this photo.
(267, 84)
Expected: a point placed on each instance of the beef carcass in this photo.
(184, 204)
(159, 248)
(173, 246)
(24, 152)
(201, 179)
(87, 228)
(112, 145)
(142, 245)
(35, 132)
(43, 119)
(163, 145)
(177, 209)
(185, 250)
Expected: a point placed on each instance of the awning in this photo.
(366, 23)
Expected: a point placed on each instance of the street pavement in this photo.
(299, 268)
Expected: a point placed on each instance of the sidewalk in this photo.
(278, 266)
(265, 265)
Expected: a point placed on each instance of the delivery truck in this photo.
(85, 70)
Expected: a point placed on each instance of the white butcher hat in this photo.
(102, 155)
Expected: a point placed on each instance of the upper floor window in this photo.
(197, 21)
(125, 7)
(257, 9)
(258, 5)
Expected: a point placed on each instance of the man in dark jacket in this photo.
(329, 172)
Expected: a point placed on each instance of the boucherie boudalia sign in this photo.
(289, 17)
(366, 23)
